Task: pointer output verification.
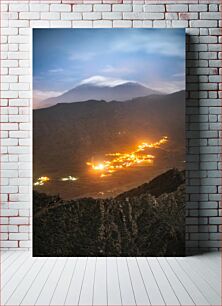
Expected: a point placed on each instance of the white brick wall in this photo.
(202, 20)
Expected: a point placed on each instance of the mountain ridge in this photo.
(86, 92)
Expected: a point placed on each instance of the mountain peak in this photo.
(102, 89)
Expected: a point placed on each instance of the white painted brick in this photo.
(71, 16)
(9, 212)
(93, 15)
(19, 102)
(82, 8)
(50, 16)
(213, 15)
(39, 24)
(4, 7)
(102, 24)
(154, 8)
(60, 24)
(24, 244)
(180, 23)
(197, 7)
(19, 220)
(122, 23)
(137, 7)
(177, 8)
(8, 244)
(18, 7)
(82, 24)
(18, 23)
(9, 173)
(122, 7)
(9, 63)
(19, 86)
(162, 23)
(138, 23)
(147, 24)
(39, 7)
(112, 15)
(60, 8)
(19, 39)
(29, 15)
(102, 7)
(13, 47)
(203, 23)
(9, 31)
(18, 236)
(19, 71)
(9, 142)
(171, 16)
(213, 7)
(135, 15)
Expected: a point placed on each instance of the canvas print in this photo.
(108, 142)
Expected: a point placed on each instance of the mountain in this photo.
(164, 183)
(85, 92)
(140, 225)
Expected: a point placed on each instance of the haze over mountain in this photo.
(91, 90)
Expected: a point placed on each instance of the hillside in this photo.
(68, 134)
(139, 225)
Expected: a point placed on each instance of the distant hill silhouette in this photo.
(165, 183)
(86, 92)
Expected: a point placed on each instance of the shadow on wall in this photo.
(193, 142)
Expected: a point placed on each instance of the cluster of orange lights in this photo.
(115, 162)
(45, 179)
(120, 161)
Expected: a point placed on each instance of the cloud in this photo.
(112, 69)
(82, 56)
(39, 96)
(99, 80)
(168, 86)
(179, 75)
(56, 70)
(155, 42)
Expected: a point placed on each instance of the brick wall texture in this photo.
(201, 18)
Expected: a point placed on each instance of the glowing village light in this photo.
(41, 181)
(69, 178)
(126, 160)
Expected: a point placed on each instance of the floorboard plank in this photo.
(214, 280)
(17, 279)
(152, 287)
(13, 269)
(86, 294)
(208, 292)
(35, 289)
(127, 294)
(181, 292)
(100, 284)
(73, 294)
(10, 261)
(165, 287)
(61, 291)
(113, 286)
(188, 283)
(21, 290)
(5, 255)
(140, 291)
(47, 291)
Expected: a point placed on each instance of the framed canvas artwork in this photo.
(108, 142)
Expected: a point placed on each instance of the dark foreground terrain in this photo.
(146, 221)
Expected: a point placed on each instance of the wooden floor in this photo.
(110, 281)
